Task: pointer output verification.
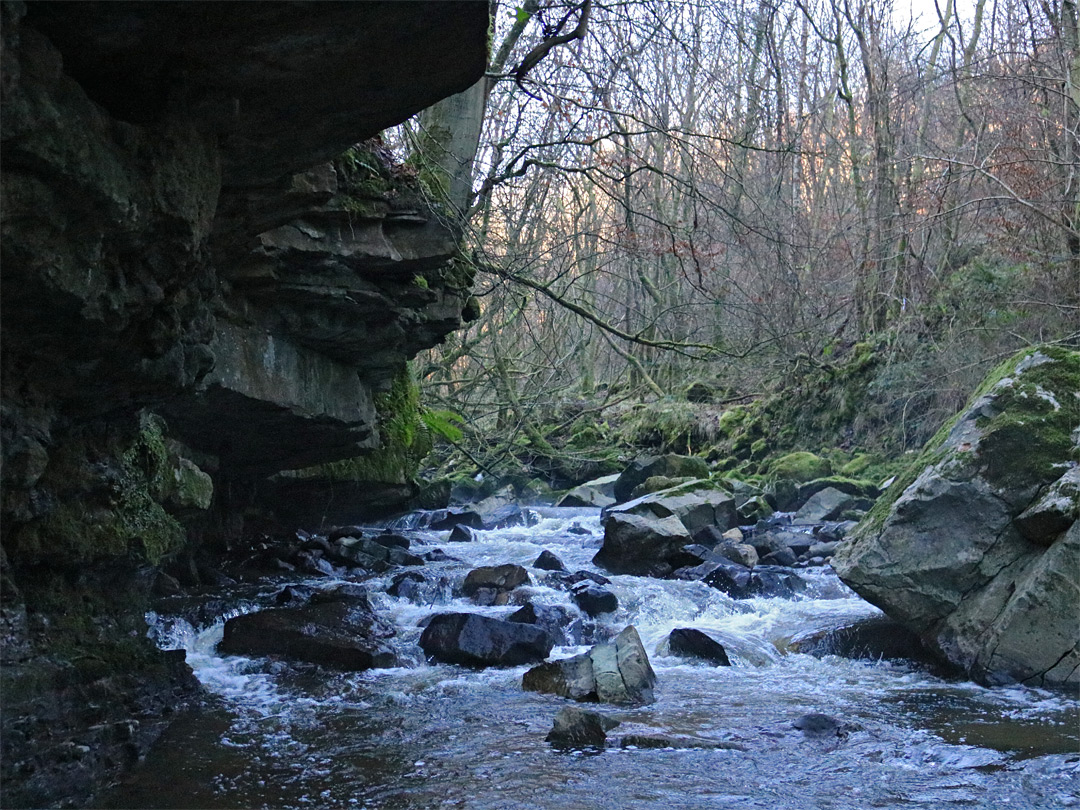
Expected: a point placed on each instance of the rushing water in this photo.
(432, 736)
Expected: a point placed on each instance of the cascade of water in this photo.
(424, 735)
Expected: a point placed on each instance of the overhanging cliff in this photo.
(196, 293)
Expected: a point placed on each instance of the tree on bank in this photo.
(736, 192)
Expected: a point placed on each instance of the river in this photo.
(282, 735)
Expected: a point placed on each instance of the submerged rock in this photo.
(577, 728)
(820, 726)
(873, 639)
(664, 741)
(481, 641)
(952, 550)
(615, 672)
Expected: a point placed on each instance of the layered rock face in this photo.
(978, 548)
(209, 276)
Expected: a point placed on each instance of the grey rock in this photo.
(948, 557)
(696, 644)
(503, 578)
(343, 634)
(577, 728)
(614, 672)
(593, 599)
(474, 640)
(827, 504)
(646, 546)
(670, 466)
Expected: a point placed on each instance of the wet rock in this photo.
(820, 726)
(438, 555)
(406, 585)
(872, 639)
(451, 518)
(943, 553)
(500, 578)
(343, 634)
(741, 553)
(672, 466)
(573, 579)
(593, 599)
(827, 504)
(577, 528)
(696, 644)
(486, 596)
(462, 534)
(577, 728)
(548, 562)
(508, 515)
(555, 619)
(645, 546)
(782, 556)
(654, 741)
(474, 640)
(614, 672)
(775, 581)
(731, 578)
(392, 540)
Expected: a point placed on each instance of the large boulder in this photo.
(954, 550)
(645, 546)
(481, 641)
(697, 504)
(503, 578)
(615, 672)
(344, 634)
(670, 466)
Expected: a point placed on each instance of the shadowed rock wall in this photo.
(194, 297)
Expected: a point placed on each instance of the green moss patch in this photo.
(801, 467)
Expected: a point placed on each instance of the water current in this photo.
(286, 735)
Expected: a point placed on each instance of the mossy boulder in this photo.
(669, 466)
(658, 482)
(801, 467)
(949, 551)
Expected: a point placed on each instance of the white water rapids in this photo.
(430, 736)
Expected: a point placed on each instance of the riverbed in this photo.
(284, 735)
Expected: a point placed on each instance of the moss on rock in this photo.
(801, 467)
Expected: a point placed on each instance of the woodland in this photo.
(740, 227)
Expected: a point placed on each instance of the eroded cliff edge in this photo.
(198, 292)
